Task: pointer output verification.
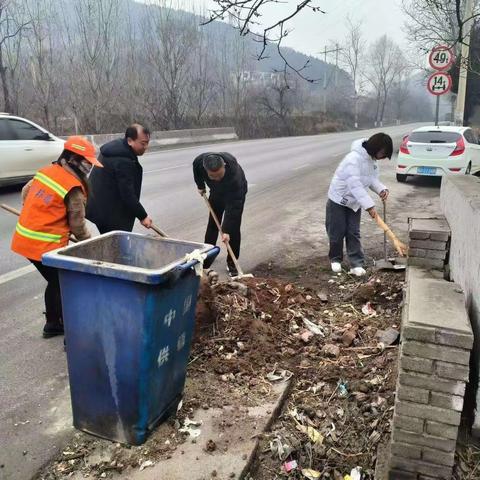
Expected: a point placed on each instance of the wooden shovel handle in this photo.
(159, 231)
(10, 209)
(16, 212)
(229, 248)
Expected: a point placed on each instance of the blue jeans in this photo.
(343, 223)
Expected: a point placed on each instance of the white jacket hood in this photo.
(357, 146)
(355, 173)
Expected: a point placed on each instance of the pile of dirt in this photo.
(330, 340)
(321, 331)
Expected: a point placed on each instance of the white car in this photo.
(24, 148)
(438, 151)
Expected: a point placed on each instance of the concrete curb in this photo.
(274, 415)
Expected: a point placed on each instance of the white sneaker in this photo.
(358, 271)
(336, 267)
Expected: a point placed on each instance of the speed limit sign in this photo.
(439, 83)
(441, 57)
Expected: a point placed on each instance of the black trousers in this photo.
(53, 299)
(211, 235)
(343, 223)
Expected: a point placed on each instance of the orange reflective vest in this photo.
(43, 223)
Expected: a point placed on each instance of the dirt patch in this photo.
(342, 401)
(302, 322)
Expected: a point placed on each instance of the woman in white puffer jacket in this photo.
(348, 195)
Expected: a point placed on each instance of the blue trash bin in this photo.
(129, 314)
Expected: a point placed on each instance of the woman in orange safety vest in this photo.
(53, 209)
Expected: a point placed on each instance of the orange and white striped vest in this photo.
(43, 223)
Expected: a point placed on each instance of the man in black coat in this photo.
(228, 188)
(114, 197)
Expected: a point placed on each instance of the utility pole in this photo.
(325, 80)
(336, 64)
(324, 109)
(464, 60)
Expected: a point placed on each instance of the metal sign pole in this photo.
(436, 110)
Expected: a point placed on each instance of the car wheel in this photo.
(468, 171)
(401, 178)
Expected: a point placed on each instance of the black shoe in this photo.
(232, 272)
(52, 329)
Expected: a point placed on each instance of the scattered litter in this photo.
(290, 466)
(314, 435)
(146, 464)
(355, 474)
(342, 389)
(310, 474)
(313, 327)
(180, 405)
(280, 448)
(368, 310)
(316, 388)
(388, 336)
(280, 375)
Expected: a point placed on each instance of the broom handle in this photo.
(386, 229)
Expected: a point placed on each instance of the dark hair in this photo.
(213, 162)
(134, 129)
(378, 142)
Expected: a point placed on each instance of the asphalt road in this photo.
(288, 179)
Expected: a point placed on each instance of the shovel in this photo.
(402, 249)
(16, 212)
(229, 248)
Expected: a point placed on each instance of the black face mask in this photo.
(78, 168)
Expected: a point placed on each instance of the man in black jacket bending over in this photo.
(228, 187)
(114, 197)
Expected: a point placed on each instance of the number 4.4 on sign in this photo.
(439, 83)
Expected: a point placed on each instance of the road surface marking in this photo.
(168, 168)
(301, 166)
(6, 277)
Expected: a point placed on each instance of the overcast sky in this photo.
(312, 31)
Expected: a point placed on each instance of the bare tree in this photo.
(277, 101)
(201, 89)
(431, 22)
(401, 88)
(385, 62)
(43, 57)
(170, 40)
(351, 56)
(12, 24)
(246, 14)
(92, 46)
